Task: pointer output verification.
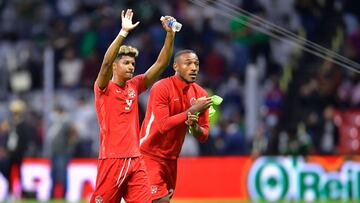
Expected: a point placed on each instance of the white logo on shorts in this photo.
(153, 189)
(98, 199)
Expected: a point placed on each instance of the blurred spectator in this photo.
(67, 8)
(249, 43)
(4, 155)
(355, 94)
(213, 67)
(91, 64)
(241, 40)
(310, 13)
(274, 97)
(344, 92)
(354, 45)
(71, 68)
(294, 141)
(260, 141)
(63, 137)
(329, 78)
(231, 91)
(234, 142)
(89, 36)
(84, 120)
(20, 134)
(328, 138)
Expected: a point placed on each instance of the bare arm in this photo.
(164, 57)
(106, 71)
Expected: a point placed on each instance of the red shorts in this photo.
(162, 175)
(121, 178)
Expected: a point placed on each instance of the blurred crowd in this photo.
(305, 105)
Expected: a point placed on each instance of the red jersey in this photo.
(118, 117)
(163, 129)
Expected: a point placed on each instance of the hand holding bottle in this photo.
(171, 23)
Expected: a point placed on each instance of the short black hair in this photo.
(181, 52)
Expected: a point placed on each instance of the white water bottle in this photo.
(175, 26)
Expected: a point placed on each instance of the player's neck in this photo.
(181, 78)
(119, 82)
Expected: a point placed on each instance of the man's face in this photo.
(187, 67)
(124, 67)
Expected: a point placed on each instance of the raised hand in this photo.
(165, 22)
(126, 20)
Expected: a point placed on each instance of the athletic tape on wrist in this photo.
(123, 33)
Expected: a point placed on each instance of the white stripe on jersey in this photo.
(147, 132)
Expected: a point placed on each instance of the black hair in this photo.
(181, 52)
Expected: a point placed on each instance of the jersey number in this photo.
(129, 103)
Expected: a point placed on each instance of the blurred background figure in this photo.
(83, 118)
(329, 133)
(4, 154)
(63, 139)
(19, 136)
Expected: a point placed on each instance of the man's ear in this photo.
(113, 66)
(175, 66)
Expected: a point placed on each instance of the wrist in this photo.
(171, 33)
(193, 125)
(123, 33)
(191, 110)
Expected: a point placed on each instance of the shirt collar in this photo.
(180, 84)
(121, 87)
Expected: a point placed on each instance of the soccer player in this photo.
(176, 104)
(121, 169)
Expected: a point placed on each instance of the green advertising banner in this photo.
(293, 178)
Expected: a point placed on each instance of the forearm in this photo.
(113, 50)
(106, 72)
(164, 57)
(198, 132)
(170, 122)
(162, 61)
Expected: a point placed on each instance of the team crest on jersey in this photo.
(192, 100)
(98, 199)
(153, 189)
(131, 93)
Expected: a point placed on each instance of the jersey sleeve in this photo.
(99, 91)
(161, 111)
(204, 123)
(139, 83)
